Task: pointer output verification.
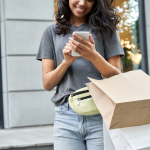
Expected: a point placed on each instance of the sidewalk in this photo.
(26, 137)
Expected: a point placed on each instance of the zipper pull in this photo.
(71, 98)
(78, 103)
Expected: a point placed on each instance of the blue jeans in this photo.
(77, 132)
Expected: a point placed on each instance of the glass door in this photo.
(129, 34)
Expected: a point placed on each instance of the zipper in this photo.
(79, 99)
(77, 93)
(84, 97)
(73, 94)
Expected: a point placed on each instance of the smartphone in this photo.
(83, 34)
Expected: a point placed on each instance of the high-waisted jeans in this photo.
(77, 132)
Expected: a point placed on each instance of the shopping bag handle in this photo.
(116, 69)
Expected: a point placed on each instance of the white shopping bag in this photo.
(131, 138)
(108, 144)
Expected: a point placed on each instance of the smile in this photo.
(79, 9)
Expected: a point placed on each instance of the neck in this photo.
(76, 21)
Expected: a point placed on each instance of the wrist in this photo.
(66, 63)
(95, 57)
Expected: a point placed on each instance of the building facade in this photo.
(23, 100)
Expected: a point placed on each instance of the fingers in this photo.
(68, 47)
(91, 39)
(77, 49)
(66, 51)
(72, 41)
(68, 44)
(82, 39)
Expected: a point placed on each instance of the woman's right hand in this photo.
(69, 59)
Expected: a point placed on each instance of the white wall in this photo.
(26, 103)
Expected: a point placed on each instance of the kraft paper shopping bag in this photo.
(123, 100)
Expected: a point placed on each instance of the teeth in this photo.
(80, 9)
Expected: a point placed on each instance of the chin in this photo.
(80, 16)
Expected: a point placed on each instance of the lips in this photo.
(80, 9)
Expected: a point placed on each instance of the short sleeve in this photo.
(112, 46)
(46, 48)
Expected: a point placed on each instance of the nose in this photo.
(82, 2)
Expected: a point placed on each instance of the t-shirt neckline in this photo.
(81, 25)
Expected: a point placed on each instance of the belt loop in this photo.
(67, 103)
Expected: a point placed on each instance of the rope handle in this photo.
(116, 69)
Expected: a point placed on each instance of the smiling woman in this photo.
(98, 14)
(98, 56)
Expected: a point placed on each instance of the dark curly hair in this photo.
(103, 16)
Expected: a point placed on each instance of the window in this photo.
(129, 34)
(55, 4)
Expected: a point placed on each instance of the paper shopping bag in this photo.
(108, 144)
(123, 100)
(130, 138)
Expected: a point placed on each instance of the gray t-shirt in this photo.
(51, 47)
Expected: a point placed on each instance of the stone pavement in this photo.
(27, 138)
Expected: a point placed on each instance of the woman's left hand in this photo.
(86, 50)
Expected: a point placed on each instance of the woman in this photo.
(100, 56)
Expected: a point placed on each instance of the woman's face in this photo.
(80, 8)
